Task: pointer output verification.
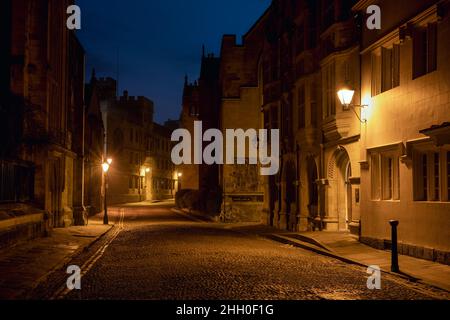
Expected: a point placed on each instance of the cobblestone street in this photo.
(157, 254)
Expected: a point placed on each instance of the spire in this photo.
(203, 51)
(185, 80)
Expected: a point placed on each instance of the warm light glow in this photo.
(105, 167)
(180, 174)
(366, 112)
(346, 96)
(109, 161)
(147, 170)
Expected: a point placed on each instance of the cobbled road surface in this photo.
(159, 255)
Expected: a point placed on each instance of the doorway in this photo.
(340, 196)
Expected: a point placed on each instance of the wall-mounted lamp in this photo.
(105, 167)
(345, 96)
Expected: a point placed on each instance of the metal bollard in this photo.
(394, 249)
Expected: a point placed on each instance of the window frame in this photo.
(427, 193)
(385, 68)
(424, 49)
(385, 173)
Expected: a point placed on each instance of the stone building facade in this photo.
(139, 147)
(201, 102)
(129, 120)
(311, 49)
(94, 149)
(161, 180)
(240, 108)
(42, 80)
(344, 167)
(405, 151)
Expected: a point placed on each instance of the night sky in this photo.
(159, 41)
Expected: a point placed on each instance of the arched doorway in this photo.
(340, 193)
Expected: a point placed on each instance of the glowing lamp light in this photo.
(147, 170)
(345, 97)
(105, 167)
(109, 161)
(180, 174)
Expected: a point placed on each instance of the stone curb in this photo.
(65, 261)
(190, 215)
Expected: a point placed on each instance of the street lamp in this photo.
(345, 95)
(105, 167)
(179, 180)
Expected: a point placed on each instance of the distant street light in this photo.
(105, 166)
(179, 180)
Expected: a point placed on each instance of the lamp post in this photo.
(105, 167)
(179, 180)
(345, 95)
(145, 182)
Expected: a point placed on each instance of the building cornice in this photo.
(428, 15)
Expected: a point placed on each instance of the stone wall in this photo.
(426, 253)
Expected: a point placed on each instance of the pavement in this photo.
(24, 266)
(346, 247)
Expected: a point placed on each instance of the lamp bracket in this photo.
(353, 106)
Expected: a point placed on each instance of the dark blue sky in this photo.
(159, 41)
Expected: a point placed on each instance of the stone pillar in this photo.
(322, 185)
(330, 219)
(302, 210)
(282, 223)
(266, 204)
(67, 194)
(79, 211)
(354, 225)
(276, 214)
